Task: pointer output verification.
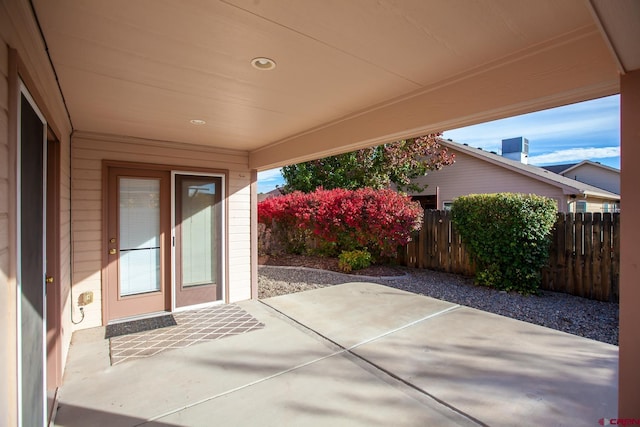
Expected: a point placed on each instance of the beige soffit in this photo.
(349, 73)
(619, 22)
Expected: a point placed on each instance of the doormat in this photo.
(140, 325)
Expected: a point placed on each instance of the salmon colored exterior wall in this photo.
(22, 54)
(88, 153)
(629, 390)
(8, 319)
(18, 31)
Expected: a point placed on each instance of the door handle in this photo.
(49, 279)
(112, 251)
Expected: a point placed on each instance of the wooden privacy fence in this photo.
(584, 257)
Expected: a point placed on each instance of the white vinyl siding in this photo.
(597, 176)
(239, 241)
(593, 205)
(17, 31)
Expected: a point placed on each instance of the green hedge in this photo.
(508, 236)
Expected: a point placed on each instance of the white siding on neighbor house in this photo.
(593, 205)
(597, 176)
(469, 175)
(87, 154)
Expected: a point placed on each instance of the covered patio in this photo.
(356, 354)
(131, 135)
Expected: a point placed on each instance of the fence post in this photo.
(550, 272)
(569, 252)
(615, 262)
(607, 254)
(443, 242)
(420, 249)
(560, 267)
(587, 267)
(597, 257)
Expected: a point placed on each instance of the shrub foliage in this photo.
(508, 236)
(342, 220)
(376, 167)
(354, 260)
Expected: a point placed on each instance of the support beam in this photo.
(629, 389)
(254, 233)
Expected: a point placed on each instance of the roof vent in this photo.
(466, 144)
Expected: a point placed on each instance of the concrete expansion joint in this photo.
(350, 350)
(239, 388)
(341, 351)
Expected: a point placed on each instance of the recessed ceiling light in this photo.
(197, 122)
(262, 63)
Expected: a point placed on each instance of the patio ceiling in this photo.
(349, 73)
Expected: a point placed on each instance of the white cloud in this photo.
(575, 154)
(558, 126)
(270, 175)
(269, 179)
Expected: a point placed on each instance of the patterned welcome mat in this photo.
(192, 327)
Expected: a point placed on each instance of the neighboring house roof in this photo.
(569, 186)
(273, 193)
(568, 167)
(589, 162)
(592, 173)
(558, 168)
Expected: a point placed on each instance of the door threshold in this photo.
(138, 317)
(197, 306)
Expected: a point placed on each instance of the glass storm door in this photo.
(137, 241)
(198, 246)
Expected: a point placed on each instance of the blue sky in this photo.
(585, 131)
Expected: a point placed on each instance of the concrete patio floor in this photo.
(356, 354)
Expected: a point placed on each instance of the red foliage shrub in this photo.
(378, 220)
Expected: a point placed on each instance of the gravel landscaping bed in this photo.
(579, 316)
